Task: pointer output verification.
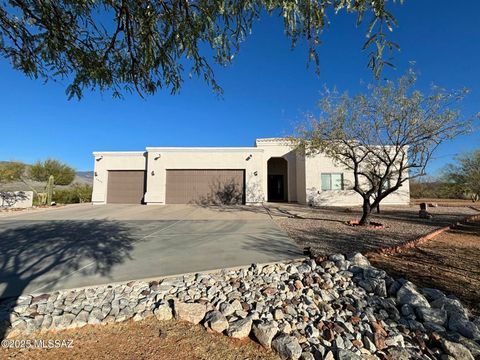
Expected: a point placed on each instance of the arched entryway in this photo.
(277, 185)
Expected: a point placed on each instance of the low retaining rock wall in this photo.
(335, 309)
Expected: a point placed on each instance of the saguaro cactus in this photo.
(50, 183)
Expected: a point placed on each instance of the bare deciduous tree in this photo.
(386, 136)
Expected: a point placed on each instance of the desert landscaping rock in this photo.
(428, 314)
(336, 308)
(432, 294)
(457, 351)
(240, 329)
(459, 322)
(216, 321)
(452, 306)
(359, 260)
(347, 355)
(163, 312)
(190, 312)
(287, 347)
(408, 294)
(264, 333)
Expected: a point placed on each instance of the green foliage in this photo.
(435, 189)
(42, 170)
(39, 198)
(465, 174)
(387, 135)
(128, 45)
(11, 171)
(77, 193)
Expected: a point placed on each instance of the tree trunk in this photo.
(378, 208)
(366, 209)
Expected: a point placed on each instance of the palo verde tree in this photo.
(386, 136)
(52, 172)
(465, 174)
(11, 171)
(142, 46)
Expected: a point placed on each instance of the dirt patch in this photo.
(325, 230)
(148, 339)
(449, 262)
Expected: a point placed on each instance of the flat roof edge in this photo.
(225, 149)
(124, 153)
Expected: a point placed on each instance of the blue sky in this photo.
(267, 91)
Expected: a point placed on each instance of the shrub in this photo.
(435, 190)
(77, 193)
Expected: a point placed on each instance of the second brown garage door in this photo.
(205, 187)
(125, 187)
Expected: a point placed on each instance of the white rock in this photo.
(359, 260)
(163, 312)
(287, 347)
(458, 351)
(190, 312)
(216, 321)
(408, 294)
(428, 314)
(240, 329)
(226, 309)
(265, 332)
(278, 314)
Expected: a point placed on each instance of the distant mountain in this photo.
(84, 177)
(81, 177)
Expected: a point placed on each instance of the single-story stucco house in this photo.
(270, 171)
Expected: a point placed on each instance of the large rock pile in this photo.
(335, 309)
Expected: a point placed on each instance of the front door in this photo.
(276, 188)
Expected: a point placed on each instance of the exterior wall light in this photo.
(152, 173)
(249, 157)
(157, 157)
(99, 158)
(95, 174)
(255, 173)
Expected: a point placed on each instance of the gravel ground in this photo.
(324, 230)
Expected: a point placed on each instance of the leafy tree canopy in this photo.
(142, 46)
(42, 170)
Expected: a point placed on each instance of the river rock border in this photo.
(335, 309)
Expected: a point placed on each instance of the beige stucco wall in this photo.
(318, 164)
(162, 159)
(304, 174)
(280, 148)
(301, 179)
(104, 161)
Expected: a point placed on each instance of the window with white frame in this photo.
(387, 185)
(332, 181)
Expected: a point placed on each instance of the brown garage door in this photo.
(205, 187)
(125, 187)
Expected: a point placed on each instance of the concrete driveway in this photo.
(81, 245)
